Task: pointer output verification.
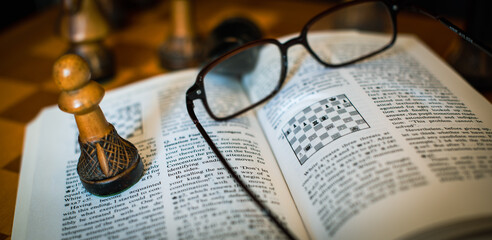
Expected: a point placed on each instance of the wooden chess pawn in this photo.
(108, 164)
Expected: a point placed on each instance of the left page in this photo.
(185, 192)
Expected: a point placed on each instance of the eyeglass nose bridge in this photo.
(293, 41)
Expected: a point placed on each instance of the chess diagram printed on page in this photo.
(320, 124)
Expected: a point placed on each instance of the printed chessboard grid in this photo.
(320, 124)
(127, 120)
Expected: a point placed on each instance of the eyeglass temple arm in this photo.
(465, 36)
(264, 209)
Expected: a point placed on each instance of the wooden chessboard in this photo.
(29, 49)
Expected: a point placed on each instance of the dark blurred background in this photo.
(14, 11)
(476, 14)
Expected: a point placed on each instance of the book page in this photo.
(396, 146)
(185, 193)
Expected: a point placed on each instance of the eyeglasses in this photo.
(258, 69)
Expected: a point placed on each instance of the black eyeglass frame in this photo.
(197, 90)
(283, 48)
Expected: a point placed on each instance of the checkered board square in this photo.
(320, 124)
(127, 121)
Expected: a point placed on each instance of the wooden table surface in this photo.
(29, 49)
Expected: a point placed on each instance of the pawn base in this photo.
(116, 184)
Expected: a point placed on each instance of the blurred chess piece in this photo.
(84, 26)
(182, 48)
(108, 164)
(230, 34)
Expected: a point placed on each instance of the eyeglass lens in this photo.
(243, 78)
(370, 19)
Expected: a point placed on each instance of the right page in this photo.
(396, 146)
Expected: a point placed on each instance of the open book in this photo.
(397, 146)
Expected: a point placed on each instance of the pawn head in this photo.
(71, 72)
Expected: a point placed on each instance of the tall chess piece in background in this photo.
(182, 48)
(108, 164)
(84, 26)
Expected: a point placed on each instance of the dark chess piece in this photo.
(108, 164)
(83, 24)
(228, 35)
